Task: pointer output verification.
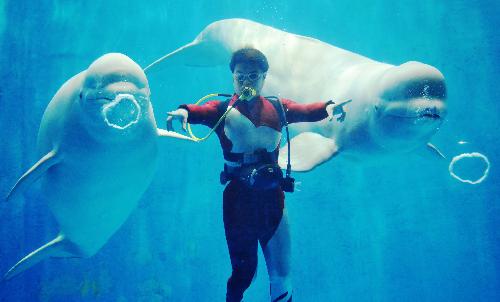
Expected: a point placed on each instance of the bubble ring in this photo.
(470, 155)
(114, 103)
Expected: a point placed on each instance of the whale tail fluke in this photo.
(59, 247)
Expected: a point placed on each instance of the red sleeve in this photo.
(312, 112)
(207, 114)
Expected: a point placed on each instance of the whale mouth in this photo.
(123, 112)
(420, 113)
(419, 99)
(432, 116)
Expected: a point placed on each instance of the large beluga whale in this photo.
(393, 108)
(98, 150)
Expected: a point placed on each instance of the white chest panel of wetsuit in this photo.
(247, 137)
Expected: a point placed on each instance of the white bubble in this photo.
(470, 155)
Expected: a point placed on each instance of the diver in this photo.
(249, 129)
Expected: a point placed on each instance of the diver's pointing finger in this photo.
(345, 102)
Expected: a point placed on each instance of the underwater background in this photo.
(398, 230)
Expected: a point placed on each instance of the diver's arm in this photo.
(312, 112)
(207, 114)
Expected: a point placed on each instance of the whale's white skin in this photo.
(393, 108)
(98, 146)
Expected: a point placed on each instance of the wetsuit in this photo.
(250, 215)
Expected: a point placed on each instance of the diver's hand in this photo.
(336, 109)
(179, 114)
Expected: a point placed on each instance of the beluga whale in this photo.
(394, 108)
(98, 150)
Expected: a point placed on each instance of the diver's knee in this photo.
(244, 274)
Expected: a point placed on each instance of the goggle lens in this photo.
(254, 76)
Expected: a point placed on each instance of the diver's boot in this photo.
(281, 289)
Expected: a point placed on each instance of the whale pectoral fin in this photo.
(435, 150)
(166, 133)
(33, 174)
(59, 247)
(308, 150)
(197, 53)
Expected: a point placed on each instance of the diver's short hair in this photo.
(249, 55)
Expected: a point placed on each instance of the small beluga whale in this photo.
(394, 109)
(98, 147)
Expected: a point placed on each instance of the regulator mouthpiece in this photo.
(247, 93)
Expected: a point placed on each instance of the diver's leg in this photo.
(243, 254)
(277, 252)
(242, 241)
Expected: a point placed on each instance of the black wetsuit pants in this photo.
(250, 216)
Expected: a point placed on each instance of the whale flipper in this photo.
(59, 247)
(435, 150)
(33, 174)
(308, 150)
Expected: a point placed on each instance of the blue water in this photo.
(402, 230)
